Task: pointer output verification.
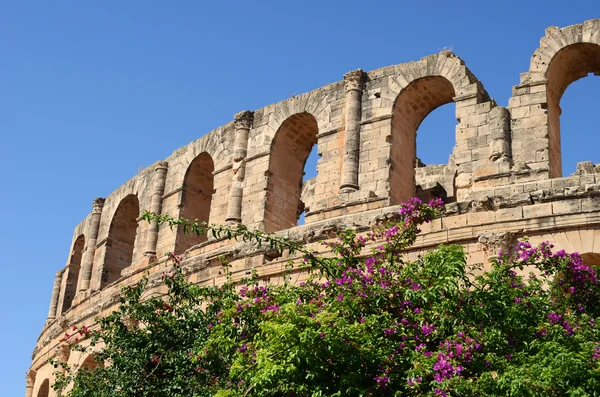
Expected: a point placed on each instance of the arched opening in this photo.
(121, 239)
(290, 150)
(44, 389)
(412, 106)
(591, 259)
(73, 275)
(580, 121)
(196, 197)
(89, 362)
(568, 65)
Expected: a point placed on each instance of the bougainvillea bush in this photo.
(366, 323)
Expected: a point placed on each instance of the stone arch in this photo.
(317, 103)
(196, 198)
(151, 294)
(571, 63)
(89, 362)
(44, 389)
(121, 239)
(564, 56)
(583, 240)
(289, 151)
(74, 266)
(591, 258)
(418, 88)
(412, 105)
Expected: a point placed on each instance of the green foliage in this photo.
(366, 323)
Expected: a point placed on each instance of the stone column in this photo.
(499, 122)
(158, 189)
(243, 122)
(353, 84)
(88, 257)
(55, 294)
(63, 290)
(29, 382)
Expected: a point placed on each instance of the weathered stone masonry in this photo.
(503, 181)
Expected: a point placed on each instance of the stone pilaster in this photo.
(29, 382)
(88, 257)
(55, 295)
(243, 123)
(63, 352)
(158, 189)
(63, 289)
(499, 122)
(353, 86)
(494, 243)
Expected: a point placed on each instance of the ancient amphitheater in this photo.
(503, 180)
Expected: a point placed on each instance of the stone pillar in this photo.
(158, 189)
(353, 84)
(62, 353)
(243, 122)
(29, 382)
(55, 294)
(88, 257)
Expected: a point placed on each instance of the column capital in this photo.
(30, 377)
(353, 80)
(243, 119)
(161, 165)
(97, 205)
(495, 242)
(62, 352)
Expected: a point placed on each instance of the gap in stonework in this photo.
(310, 171)
(436, 135)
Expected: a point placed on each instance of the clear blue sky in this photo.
(92, 91)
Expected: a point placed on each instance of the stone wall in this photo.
(503, 181)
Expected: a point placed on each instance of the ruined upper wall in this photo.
(503, 174)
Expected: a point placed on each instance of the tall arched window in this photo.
(73, 275)
(412, 105)
(121, 239)
(289, 151)
(571, 63)
(196, 198)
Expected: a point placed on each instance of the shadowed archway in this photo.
(121, 239)
(196, 199)
(73, 275)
